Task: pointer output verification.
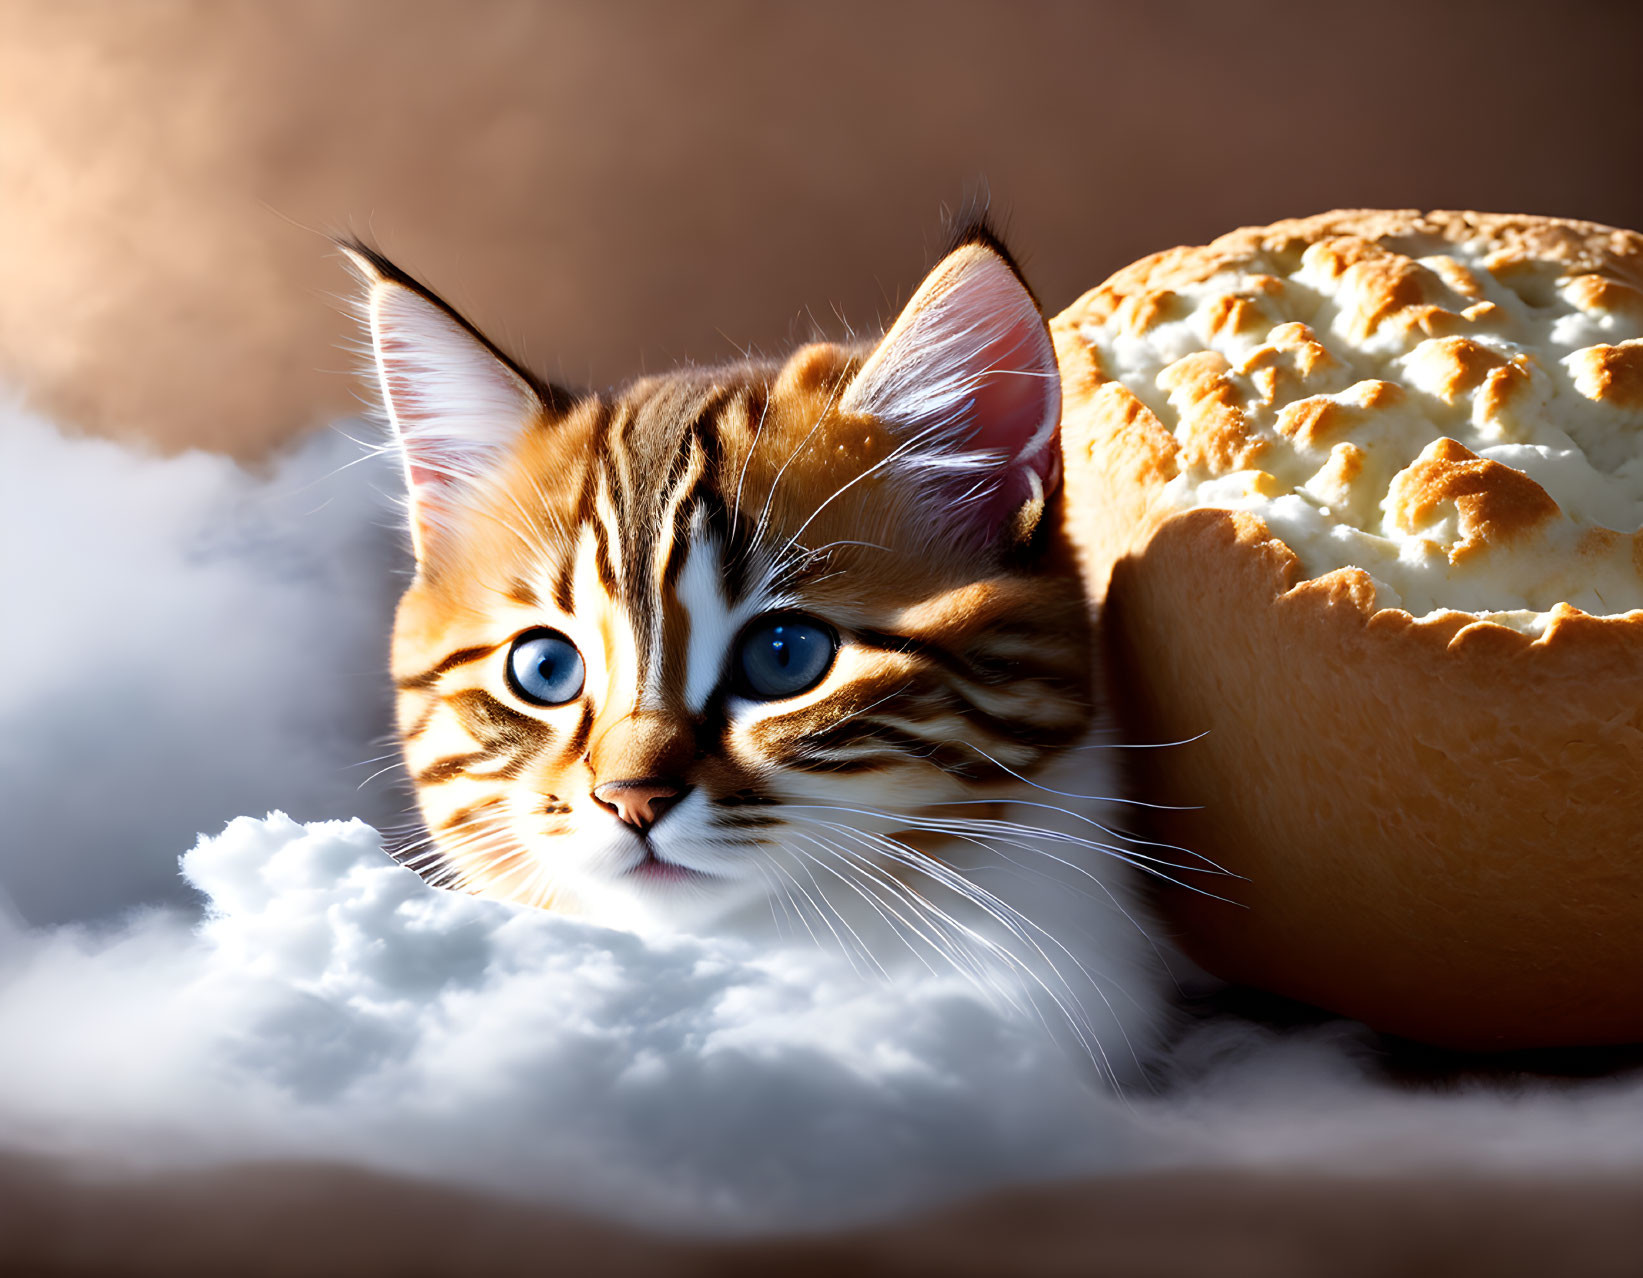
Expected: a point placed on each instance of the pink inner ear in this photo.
(1016, 408)
(968, 374)
(455, 405)
(423, 476)
(424, 472)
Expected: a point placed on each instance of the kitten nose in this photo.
(640, 803)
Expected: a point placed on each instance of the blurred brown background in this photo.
(612, 187)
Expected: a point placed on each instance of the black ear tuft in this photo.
(974, 224)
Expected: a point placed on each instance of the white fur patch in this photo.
(712, 623)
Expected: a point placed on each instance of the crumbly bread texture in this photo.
(1362, 496)
(1452, 402)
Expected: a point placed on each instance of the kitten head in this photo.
(722, 634)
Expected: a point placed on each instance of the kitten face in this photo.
(693, 646)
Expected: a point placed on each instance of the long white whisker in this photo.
(1062, 861)
(1087, 820)
(797, 908)
(1068, 794)
(1015, 923)
(909, 445)
(397, 763)
(1139, 861)
(821, 914)
(938, 918)
(1138, 745)
(1146, 864)
(865, 949)
(859, 890)
(776, 895)
(758, 431)
(950, 932)
(378, 759)
(763, 521)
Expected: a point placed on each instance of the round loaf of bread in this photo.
(1360, 498)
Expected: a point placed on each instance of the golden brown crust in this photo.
(1436, 820)
(1214, 430)
(1614, 256)
(1611, 374)
(1496, 504)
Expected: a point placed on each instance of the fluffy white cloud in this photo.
(185, 640)
(332, 1005)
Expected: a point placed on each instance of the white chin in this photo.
(659, 897)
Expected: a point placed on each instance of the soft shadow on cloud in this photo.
(187, 641)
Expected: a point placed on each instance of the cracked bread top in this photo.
(1452, 402)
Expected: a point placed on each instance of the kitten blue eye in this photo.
(545, 668)
(783, 655)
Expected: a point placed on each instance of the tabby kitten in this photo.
(796, 646)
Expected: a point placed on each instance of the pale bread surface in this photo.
(1436, 808)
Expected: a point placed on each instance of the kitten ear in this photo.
(455, 403)
(968, 374)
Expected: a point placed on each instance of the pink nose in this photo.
(640, 803)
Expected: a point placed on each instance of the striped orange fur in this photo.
(900, 497)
